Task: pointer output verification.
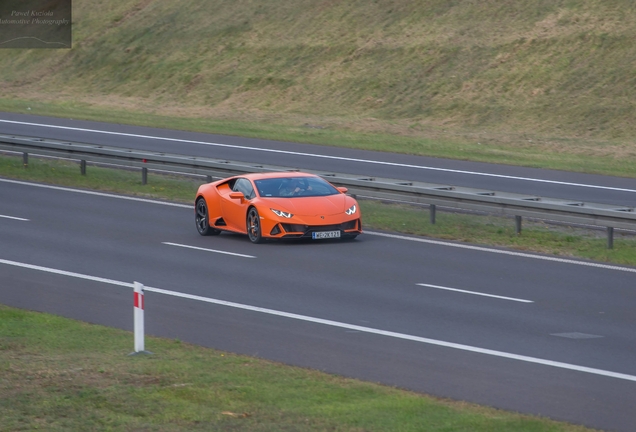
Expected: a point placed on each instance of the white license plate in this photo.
(325, 235)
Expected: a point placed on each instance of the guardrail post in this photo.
(433, 209)
(518, 225)
(208, 179)
(83, 166)
(139, 319)
(610, 237)
(25, 160)
(144, 176)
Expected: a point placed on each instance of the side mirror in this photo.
(237, 195)
(342, 189)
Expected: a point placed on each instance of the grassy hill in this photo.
(550, 75)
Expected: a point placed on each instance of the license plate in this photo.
(325, 235)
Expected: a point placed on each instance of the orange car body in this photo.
(265, 205)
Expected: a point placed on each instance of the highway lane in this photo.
(548, 183)
(448, 343)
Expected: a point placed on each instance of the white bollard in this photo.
(139, 319)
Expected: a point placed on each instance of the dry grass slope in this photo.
(558, 68)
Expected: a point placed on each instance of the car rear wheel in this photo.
(254, 226)
(202, 219)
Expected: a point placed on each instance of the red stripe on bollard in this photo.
(139, 300)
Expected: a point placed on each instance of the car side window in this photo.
(244, 186)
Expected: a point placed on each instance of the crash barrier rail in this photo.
(493, 202)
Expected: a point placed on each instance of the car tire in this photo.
(349, 237)
(253, 223)
(202, 219)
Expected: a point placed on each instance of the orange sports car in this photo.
(277, 205)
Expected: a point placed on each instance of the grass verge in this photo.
(495, 231)
(61, 374)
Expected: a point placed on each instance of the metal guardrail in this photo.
(494, 202)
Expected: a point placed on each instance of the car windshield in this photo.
(291, 187)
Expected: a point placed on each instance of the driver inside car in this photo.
(293, 188)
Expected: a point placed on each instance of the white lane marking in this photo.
(208, 250)
(337, 324)
(395, 236)
(14, 218)
(88, 192)
(321, 156)
(65, 273)
(576, 335)
(475, 293)
(503, 252)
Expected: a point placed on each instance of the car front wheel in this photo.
(254, 226)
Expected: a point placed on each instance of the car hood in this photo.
(311, 206)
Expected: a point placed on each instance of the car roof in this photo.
(278, 174)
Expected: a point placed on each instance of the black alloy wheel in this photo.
(201, 218)
(254, 226)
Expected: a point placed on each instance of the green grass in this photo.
(538, 237)
(486, 230)
(58, 374)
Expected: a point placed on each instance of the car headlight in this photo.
(282, 213)
(351, 210)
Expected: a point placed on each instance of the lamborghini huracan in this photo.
(277, 205)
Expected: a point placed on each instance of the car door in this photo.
(235, 206)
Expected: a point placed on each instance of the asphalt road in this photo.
(538, 335)
(546, 183)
